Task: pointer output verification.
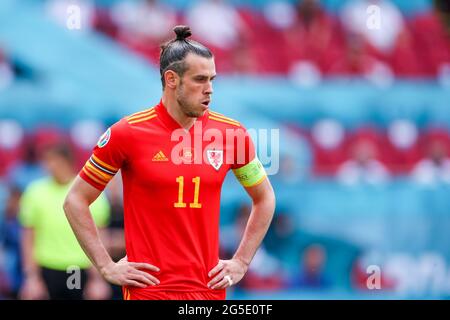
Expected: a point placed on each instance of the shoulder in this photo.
(140, 117)
(223, 121)
(123, 128)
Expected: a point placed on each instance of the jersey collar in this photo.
(171, 123)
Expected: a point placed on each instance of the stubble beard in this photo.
(184, 104)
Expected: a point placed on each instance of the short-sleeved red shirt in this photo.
(171, 210)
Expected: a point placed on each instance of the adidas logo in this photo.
(160, 156)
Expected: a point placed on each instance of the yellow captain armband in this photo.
(251, 174)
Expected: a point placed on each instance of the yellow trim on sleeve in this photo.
(104, 164)
(93, 178)
(141, 114)
(143, 119)
(219, 115)
(237, 124)
(100, 174)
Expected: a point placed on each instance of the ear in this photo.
(171, 78)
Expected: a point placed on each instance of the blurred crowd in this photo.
(364, 156)
(371, 155)
(370, 38)
(301, 39)
(37, 245)
(298, 40)
(35, 238)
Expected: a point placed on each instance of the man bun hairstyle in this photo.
(182, 32)
(174, 51)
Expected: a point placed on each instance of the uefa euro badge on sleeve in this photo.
(215, 158)
(103, 140)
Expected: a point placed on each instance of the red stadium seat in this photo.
(370, 135)
(267, 46)
(433, 135)
(432, 42)
(103, 22)
(322, 42)
(404, 59)
(328, 141)
(400, 159)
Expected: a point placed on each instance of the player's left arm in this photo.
(229, 272)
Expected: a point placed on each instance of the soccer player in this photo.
(172, 181)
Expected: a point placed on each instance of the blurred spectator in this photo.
(310, 274)
(281, 240)
(66, 12)
(364, 165)
(241, 61)
(436, 166)
(314, 36)
(4, 291)
(49, 246)
(28, 168)
(357, 60)
(258, 33)
(382, 34)
(264, 271)
(229, 235)
(6, 71)
(143, 25)
(144, 21)
(220, 26)
(215, 22)
(4, 282)
(432, 38)
(281, 15)
(404, 59)
(289, 172)
(443, 6)
(296, 156)
(10, 243)
(24, 71)
(104, 22)
(328, 141)
(11, 141)
(402, 150)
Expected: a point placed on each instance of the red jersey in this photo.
(171, 209)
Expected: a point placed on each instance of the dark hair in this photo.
(174, 51)
(61, 150)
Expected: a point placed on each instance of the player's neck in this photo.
(174, 110)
